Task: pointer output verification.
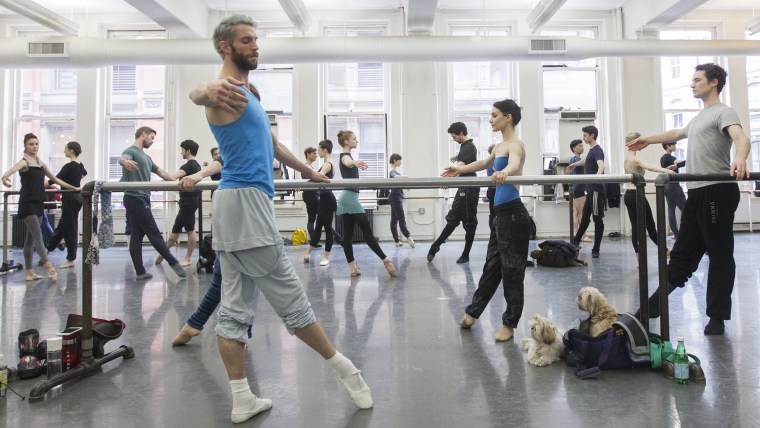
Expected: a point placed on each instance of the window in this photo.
(475, 86)
(275, 85)
(355, 100)
(46, 108)
(679, 105)
(568, 86)
(136, 98)
(753, 94)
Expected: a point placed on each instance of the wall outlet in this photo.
(421, 211)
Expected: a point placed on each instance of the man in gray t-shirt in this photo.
(708, 217)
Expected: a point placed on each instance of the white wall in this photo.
(419, 112)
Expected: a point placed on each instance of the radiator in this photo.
(358, 234)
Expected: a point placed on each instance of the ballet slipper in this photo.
(389, 267)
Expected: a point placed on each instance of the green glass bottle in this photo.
(681, 364)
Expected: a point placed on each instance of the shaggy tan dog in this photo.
(601, 314)
(544, 345)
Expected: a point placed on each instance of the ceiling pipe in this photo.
(84, 52)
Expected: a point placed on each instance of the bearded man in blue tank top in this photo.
(508, 244)
(249, 246)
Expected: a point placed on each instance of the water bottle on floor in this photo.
(54, 361)
(681, 364)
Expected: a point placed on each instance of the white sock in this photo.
(245, 405)
(241, 393)
(342, 365)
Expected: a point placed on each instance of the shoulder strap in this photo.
(637, 335)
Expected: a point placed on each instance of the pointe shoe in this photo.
(184, 263)
(390, 268)
(324, 262)
(159, 259)
(306, 257)
(354, 269)
(67, 264)
(467, 321)
(52, 274)
(33, 277)
(410, 241)
(399, 244)
(505, 333)
(587, 239)
(185, 335)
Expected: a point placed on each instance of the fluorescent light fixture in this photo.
(43, 16)
(753, 26)
(543, 12)
(297, 13)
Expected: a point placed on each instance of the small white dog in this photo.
(544, 345)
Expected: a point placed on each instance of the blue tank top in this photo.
(247, 147)
(504, 192)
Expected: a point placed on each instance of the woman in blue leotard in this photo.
(508, 244)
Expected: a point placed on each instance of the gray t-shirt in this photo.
(709, 150)
(145, 166)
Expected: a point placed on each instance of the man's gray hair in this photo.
(225, 30)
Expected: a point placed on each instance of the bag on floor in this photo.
(299, 236)
(382, 196)
(557, 253)
(30, 365)
(625, 345)
(207, 255)
(103, 331)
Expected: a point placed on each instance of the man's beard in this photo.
(242, 62)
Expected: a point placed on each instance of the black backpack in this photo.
(557, 253)
(382, 196)
(613, 195)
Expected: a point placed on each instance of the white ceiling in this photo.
(188, 18)
(69, 8)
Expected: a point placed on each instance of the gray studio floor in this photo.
(403, 333)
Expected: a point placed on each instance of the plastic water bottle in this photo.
(10, 259)
(54, 362)
(3, 376)
(681, 364)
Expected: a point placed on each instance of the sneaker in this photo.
(715, 327)
(259, 405)
(696, 374)
(463, 259)
(595, 254)
(361, 395)
(431, 254)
